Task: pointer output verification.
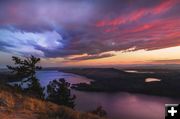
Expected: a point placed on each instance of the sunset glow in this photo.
(161, 56)
(87, 33)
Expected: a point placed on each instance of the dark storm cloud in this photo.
(61, 28)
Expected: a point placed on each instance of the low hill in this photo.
(114, 80)
(96, 73)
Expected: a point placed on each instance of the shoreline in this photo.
(165, 88)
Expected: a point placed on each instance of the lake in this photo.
(118, 105)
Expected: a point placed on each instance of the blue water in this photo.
(118, 105)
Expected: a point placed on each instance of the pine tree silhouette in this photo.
(26, 69)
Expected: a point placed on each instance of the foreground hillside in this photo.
(14, 105)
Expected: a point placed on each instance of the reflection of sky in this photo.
(125, 105)
(84, 30)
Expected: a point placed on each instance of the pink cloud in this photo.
(138, 14)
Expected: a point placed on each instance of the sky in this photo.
(91, 32)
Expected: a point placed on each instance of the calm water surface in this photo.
(118, 105)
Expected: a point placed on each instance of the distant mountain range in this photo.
(131, 66)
